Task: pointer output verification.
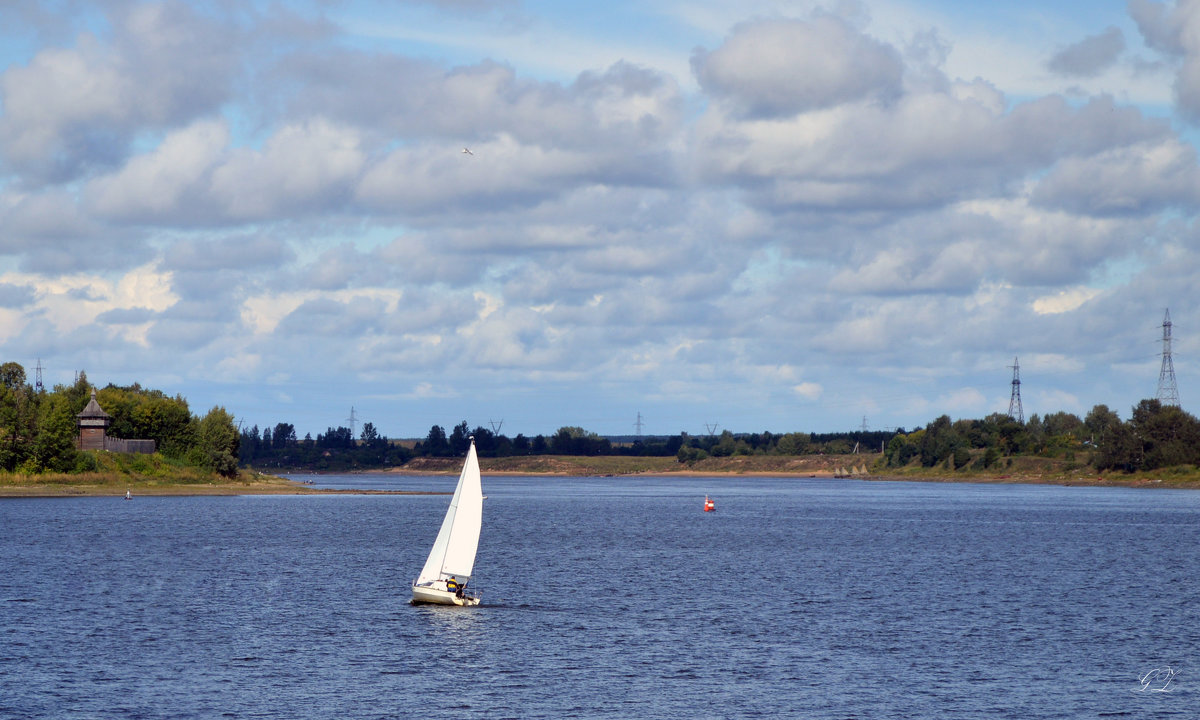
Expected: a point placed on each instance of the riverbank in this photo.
(160, 479)
(1019, 470)
(98, 485)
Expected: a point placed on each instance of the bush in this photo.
(962, 456)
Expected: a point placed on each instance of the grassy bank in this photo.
(117, 473)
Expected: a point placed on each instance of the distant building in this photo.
(93, 425)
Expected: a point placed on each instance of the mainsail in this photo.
(454, 549)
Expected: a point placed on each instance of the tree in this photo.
(460, 439)
(18, 416)
(217, 443)
(436, 444)
(12, 376)
(285, 435)
(1099, 423)
(1168, 435)
(151, 415)
(939, 441)
(336, 438)
(54, 443)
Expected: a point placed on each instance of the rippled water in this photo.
(608, 598)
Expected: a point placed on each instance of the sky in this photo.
(674, 216)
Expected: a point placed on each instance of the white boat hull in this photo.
(423, 594)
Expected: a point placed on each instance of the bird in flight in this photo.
(468, 151)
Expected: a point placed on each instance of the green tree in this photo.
(1099, 423)
(939, 442)
(284, 436)
(18, 416)
(217, 443)
(460, 439)
(12, 375)
(53, 447)
(149, 415)
(1168, 435)
(436, 444)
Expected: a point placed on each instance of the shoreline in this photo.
(282, 486)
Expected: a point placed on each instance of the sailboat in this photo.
(443, 579)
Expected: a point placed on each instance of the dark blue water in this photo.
(609, 598)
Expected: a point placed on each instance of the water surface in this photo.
(608, 597)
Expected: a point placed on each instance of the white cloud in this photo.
(262, 314)
(70, 302)
(775, 68)
(808, 390)
(303, 168)
(1064, 300)
(162, 184)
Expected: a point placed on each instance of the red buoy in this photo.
(709, 505)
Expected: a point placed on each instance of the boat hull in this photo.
(423, 595)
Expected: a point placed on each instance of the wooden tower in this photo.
(92, 423)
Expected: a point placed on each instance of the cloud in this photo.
(70, 110)
(1064, 300)
(808, 390)
(1139, 178)
(72, 302)
(929, 147)
(1158, 25)
(1091, 56)
(168, 183)
(1175, 32)
(778, 68)
(304, 168)
(828, 206)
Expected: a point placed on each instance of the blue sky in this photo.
(783, 216)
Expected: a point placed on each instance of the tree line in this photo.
(38, 429)
(1155, 436)
(337, 449)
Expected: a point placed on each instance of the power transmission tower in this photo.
(37, 385)
(496, 426)
(712, 429)
(1168, 393)
(352, 419)
(1015, 411)
(638, 424)
(864, 425)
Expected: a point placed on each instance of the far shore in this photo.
(1020, 470)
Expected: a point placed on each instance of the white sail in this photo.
(454, 549)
